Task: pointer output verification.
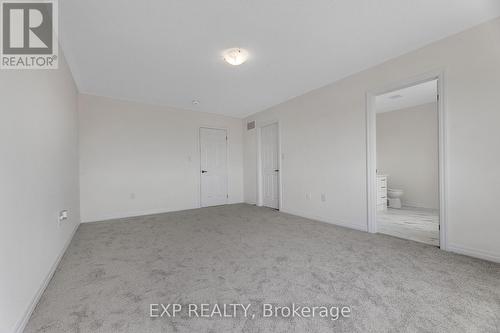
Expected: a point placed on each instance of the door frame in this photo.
(371, 137)
(260, 196)
(199, 161)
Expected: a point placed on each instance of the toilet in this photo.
(394, 197)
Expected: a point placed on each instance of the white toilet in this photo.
(394, 197)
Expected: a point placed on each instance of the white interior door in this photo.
(213, 166)
(270, 166)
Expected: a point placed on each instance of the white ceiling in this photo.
(168, 52)
(419, 94)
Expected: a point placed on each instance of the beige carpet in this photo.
(114, 270)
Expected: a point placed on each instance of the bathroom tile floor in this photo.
(417, 224)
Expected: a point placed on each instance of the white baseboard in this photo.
(480, 254)
(21, 324)
(123, 215)
(418, 205)
(362, 227)
(473, 252)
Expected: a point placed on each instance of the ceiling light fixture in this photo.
(235, 56)
(395, 96)
(195, 102)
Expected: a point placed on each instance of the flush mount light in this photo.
(235, 56)
(395, 96)
(195, 102)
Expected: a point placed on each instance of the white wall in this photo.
(38, 177)
(407, 151)
(138, 159)
(324, 140)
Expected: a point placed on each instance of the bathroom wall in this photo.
(407, 151)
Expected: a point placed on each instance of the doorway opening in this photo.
(269, 167)
(213, 167)
(406, 173)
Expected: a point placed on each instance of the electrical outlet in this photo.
(308, 196)
(63, 215)
(323, 197)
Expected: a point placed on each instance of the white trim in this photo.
(474, 253)
(122, 215)
(417, 205)
(371, 150)
(227, 161)
(21, 324)
(259, 201)
(323, 219)
(443, 163)
(371, 161)
(117, 216)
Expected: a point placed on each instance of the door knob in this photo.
(277, 170)
(204, 171)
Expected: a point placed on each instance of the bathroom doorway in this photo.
(406, 198)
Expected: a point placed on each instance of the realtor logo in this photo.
(29, 34)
